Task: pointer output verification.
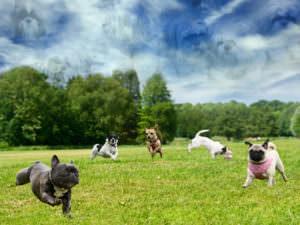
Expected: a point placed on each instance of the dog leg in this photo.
(152, 154)
(114, 157)
(50, 199)
(213, 155)
(66, 201)
(93, 155)
(190, 146)
(280, 168)
(248, 181)
(271, 180)
(161, 154)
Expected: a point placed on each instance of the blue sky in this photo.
(209, 50)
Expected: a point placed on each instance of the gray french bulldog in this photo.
(51, 185)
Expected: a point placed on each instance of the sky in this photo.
(207, 50)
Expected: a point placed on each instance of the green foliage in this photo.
(236, 120)
(295, 123)
(129, 80)
(101, 105)
(285, 119)
(155, 91)
(32, 111)
(230, 121)
(23, 93)
(86, 109)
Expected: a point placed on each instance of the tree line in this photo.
(238, 120)
(34, 110)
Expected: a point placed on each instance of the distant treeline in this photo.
(238, 120)
(38, 110)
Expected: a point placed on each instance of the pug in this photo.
(153, 142)
(108, 150)
(51, 185)
(263, 160)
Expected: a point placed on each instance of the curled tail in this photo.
(201, 132)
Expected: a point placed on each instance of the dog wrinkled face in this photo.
(63, 175)
(113, 140)
(257, 152)
(151, 134)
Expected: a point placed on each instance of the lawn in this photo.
(181, 188)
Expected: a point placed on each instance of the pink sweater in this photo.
(259, 170)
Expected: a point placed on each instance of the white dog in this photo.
(108, 150)
(263, 161)
(214, 147)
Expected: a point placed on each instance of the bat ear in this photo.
(54, 161)
(266, 144)
(248, 143)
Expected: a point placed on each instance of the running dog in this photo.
(51, 185)
(263, 161)
(214, 147)
(153, 142)
(108, 150)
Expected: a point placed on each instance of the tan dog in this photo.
(263, 161)
(153, 142)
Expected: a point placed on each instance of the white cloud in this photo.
(101, 39)
(227, 9)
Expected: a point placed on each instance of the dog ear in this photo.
(248, 143)
(54, 161)
(266, 143)
(71, 162)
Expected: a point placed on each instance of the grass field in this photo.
(181, 188)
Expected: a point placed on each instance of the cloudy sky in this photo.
(208, 50)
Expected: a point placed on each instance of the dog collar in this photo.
(258, 170)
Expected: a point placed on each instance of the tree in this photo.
(286, 118)
(129, 80)
(295, 123)
(157, 109)
(231, 121)
(156, 91)
(101, 106)
(23, 93)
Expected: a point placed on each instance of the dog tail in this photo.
(201, 132)
(23, 176)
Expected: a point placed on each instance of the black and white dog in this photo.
(214, 147)
(108, 150)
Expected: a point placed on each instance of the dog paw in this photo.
(68, 215)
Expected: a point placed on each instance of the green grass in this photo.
(182, 188)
